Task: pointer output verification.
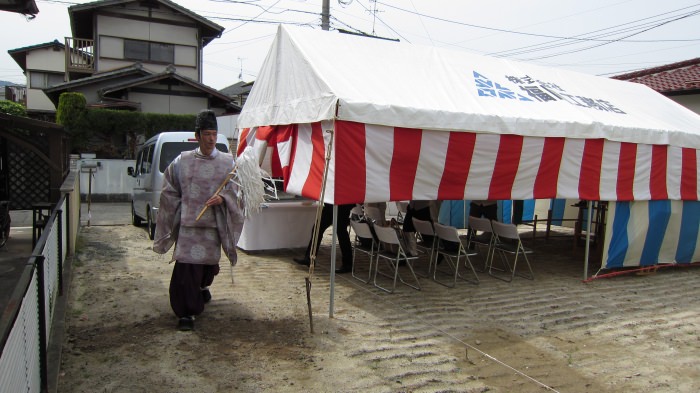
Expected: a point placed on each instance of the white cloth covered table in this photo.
(279, 225)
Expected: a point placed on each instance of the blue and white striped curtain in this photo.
(646, 233)
(456, 213)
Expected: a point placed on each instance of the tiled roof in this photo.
(683, 76)
(237, 89)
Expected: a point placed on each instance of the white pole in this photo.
(333, 252)
(588, 240)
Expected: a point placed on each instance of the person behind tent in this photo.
(422, 210)
(343, 236)
(484, 208)
(190, 183)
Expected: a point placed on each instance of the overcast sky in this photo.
(600, 37)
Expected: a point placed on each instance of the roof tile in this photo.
(678, 77)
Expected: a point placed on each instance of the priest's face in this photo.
(207, 141)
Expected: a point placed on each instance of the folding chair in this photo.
(507, 241)
(450, 234)
(480, 236)
(427, 241)
(374, 215)
(401, 208)
(388, 236)
(356, 213)
(363, 236)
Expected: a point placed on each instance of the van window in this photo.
(147, 161)
(170, 150)
(139, 159)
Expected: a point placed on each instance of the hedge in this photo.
(105, 131)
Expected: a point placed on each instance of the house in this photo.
(14, 93)
(238, 92)
(126, 54)
(44, 66)
(678, 81)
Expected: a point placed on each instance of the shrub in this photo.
(12, 108)
(104, 131)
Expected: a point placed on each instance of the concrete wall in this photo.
(227, 126)
(110, 181)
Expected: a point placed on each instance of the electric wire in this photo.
(603, 33)
(486, 27)
(617, 40)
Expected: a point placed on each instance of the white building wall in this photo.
(145, 30)
(691, 102)
(186, 56)
(37, 100)
(177, 105)
(113, 30)
(47, 59)
(44, 59)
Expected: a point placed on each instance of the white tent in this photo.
(539, 132)
(413, 122)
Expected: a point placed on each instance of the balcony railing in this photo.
(80, 55)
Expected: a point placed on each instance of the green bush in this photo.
(12, 108)
(71, 109)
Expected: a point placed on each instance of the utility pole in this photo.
(326, 15)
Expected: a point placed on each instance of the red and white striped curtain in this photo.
(372, 163)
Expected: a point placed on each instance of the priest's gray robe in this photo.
(189, 181)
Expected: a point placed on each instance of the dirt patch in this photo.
(628, 334)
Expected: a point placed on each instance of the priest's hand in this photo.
(215, 200)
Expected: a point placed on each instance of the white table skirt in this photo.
(279, 225)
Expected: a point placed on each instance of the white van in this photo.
(151, 161)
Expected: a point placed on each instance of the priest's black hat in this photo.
(206, 120)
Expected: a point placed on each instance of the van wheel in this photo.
(150, 226)
(135, 220)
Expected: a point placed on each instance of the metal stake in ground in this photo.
(317, 224)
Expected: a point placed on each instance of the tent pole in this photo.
(333, 257)
(464, 213)
(588, 240)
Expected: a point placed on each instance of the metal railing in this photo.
(26, 323)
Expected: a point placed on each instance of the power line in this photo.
(384, 23)
(610, 32)
(617, 40)
(490, 28)
(254, 18)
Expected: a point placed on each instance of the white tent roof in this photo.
(312, 75)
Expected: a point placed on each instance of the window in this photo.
(42, 80)
(170, 150)
(149, 51)
(162, 52)
(147, 160)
